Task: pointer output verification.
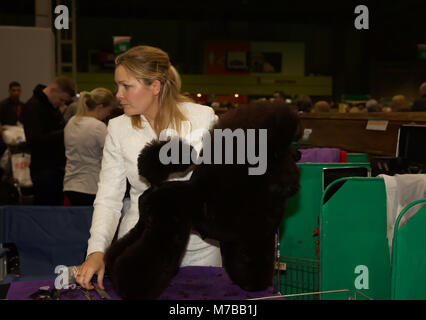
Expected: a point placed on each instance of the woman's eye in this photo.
(126, 86)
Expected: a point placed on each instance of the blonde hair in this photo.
(399, 102)
(89, 100)
(148, 64)
(322, 106)
(354, 109)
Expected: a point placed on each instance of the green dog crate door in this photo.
(408, 256)
(302, 212)
(301, 218)
(354, 253)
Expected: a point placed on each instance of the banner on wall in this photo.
(237, 61)
(236, 57)
(227, 57)
(265, 62)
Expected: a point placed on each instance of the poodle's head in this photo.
(278, 119)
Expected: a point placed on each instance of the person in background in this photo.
(303, 103)
(10, 108)
(386, 108)
(115, 112)
(420, 104)
(354, 109)
(400, 104)
(372, 105)
(362, 107)
(278, 96)
(149, 92)
(71, 110)
(44, 131)
(84, 141)
(321, 106)
(187, 94)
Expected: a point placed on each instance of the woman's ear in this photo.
(156, 87)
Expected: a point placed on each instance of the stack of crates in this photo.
(299, 238)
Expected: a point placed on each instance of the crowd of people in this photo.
(304, 103)
(66, 134)
(65, 155)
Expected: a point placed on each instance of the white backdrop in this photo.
(27, 55)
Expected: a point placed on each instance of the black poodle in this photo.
(220, 201)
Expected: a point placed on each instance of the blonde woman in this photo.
(148, 88)
(84, 137)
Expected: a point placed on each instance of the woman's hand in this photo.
(94, 264)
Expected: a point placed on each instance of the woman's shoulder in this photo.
(195, 110)
(119, 126)
(99, 126)
(119, 121)
(199, 116)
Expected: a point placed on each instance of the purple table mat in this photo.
(191, 283)
(324, 155)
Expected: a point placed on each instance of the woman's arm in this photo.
(111, 189)
(107, 209)
(213, 118)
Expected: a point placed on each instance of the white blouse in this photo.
(122, 147)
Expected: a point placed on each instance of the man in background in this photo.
(420, 104)
(44, 130)
(10, 110)
(278, 96)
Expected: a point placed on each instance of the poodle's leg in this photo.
(250, 264)
(118, 247)
(146, 267)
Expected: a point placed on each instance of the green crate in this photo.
(354, 252)
(357, 157)
(301, 276)
(302, 212)
(301, 218)
(408, 255)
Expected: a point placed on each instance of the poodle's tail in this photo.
(159, 159)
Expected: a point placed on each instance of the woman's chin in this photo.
(128, 112)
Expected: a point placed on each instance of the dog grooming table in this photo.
(191, 283)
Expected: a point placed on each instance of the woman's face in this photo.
(135, 97)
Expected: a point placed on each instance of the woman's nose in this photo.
(119, 94)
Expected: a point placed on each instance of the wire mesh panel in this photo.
(300, 276)
(344, 294)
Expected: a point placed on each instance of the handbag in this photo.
(21, 168)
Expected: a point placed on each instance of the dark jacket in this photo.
(419, 105)
(8, 116)
(44, 131)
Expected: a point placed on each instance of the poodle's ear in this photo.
(155, 169)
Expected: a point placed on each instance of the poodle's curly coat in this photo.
(220, 201)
